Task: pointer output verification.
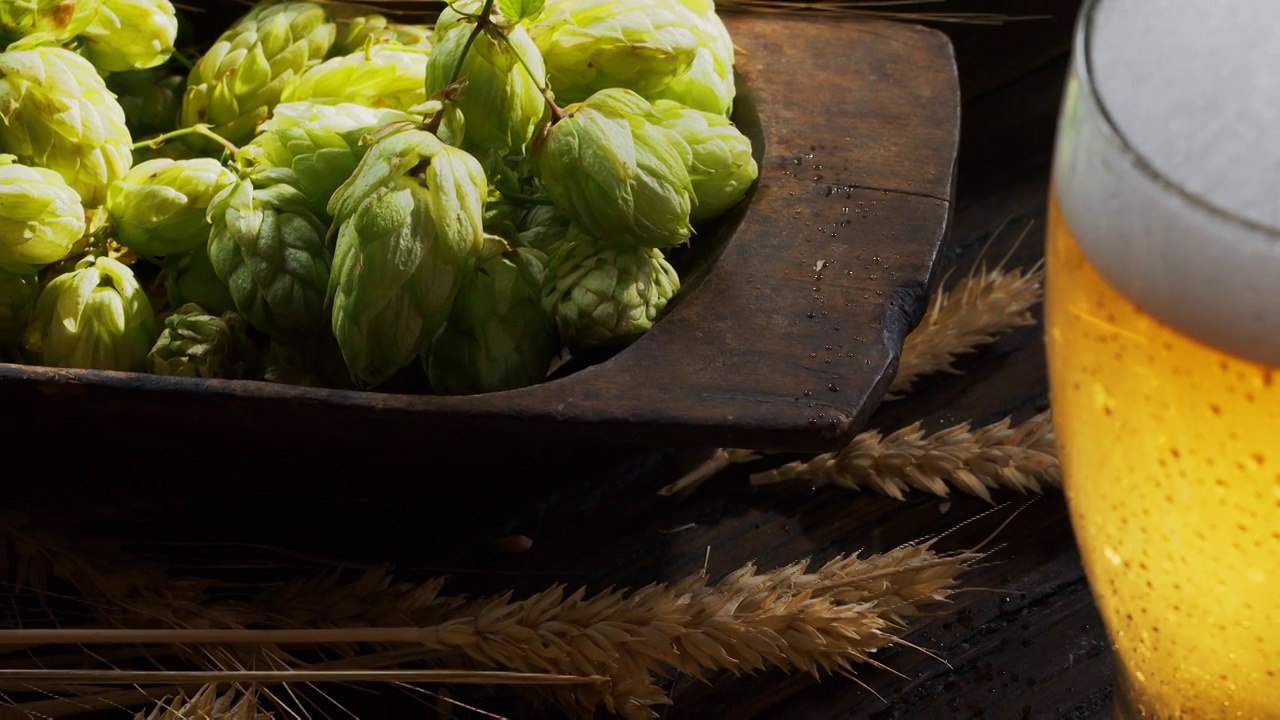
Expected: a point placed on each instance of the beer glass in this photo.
(1163, 336)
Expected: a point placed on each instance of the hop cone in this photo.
(313, 147)
(96, 316)
(411, 227)
(708, 84)
(235, 85)
(501, 101)
(497, 337)
(159, 207)
(197, 344)
(542, 228)
(722, 168)
(191, 279)
(382, 76)
(130, 35)
(591, 45)
(355, 33)
(40, 215)
(56, 112)
(151, 100)
(601, 294)
(19, 286)
(269, 250)
(57, 19)
(616, 174)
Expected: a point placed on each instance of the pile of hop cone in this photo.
(325, 196)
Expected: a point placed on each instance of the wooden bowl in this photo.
(784, 337)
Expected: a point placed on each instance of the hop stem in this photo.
(201, 129)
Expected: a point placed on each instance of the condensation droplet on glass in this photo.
(833, 387)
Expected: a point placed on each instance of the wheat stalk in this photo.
(1021, 457)
(824, 620)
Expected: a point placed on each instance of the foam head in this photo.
(1168, 166)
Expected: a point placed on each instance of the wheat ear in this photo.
(209, 703)
(1021, 457)
(977, 311)
(980, 308)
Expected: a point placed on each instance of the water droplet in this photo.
(810, 315)
(833, 388)
(808, 393)
(828, 347)
(813, 421)
(844, 210)
(874, 276)
(827, 361)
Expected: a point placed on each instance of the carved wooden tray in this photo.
(785, 336)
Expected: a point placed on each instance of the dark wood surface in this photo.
(853, 166)
(1022, 641)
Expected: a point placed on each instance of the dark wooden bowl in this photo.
(856, 127)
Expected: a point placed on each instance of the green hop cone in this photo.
(130, 35)
(96, 316)
(542, 228)
(19, 287)
(708, 84)
(380, 76)
(56, 112)
(722, 168)
(500, 99)
(235, 85)
(359, 31)
(192, 279)
(158, 208)
(196, 344)
(151, 100)
(591, 45)
(270, 251)
(498, 337)
(313, 147)
(57, 19)
(602, 294)
(40, 215)
(411, 227)
(617, 174)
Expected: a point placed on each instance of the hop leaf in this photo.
(57, 19)
(56, 112)
(410, 222)
(40, 215)
(722, 168)
(197, 344)
(94, 317)
(159, 207)
(601, 294)
(591, 45)
(130, 35)
(381, 76)
(616, 174)
(501, 99)
(269, 250)
(313, 147)
(151, 100)
(498, 337)
(19, 287)
(235, 85)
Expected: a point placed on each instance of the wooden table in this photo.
(1022, 641)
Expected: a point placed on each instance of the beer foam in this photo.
(1186, 220)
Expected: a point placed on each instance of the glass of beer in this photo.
(1163, 337)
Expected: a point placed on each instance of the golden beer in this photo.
(1163, 335)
